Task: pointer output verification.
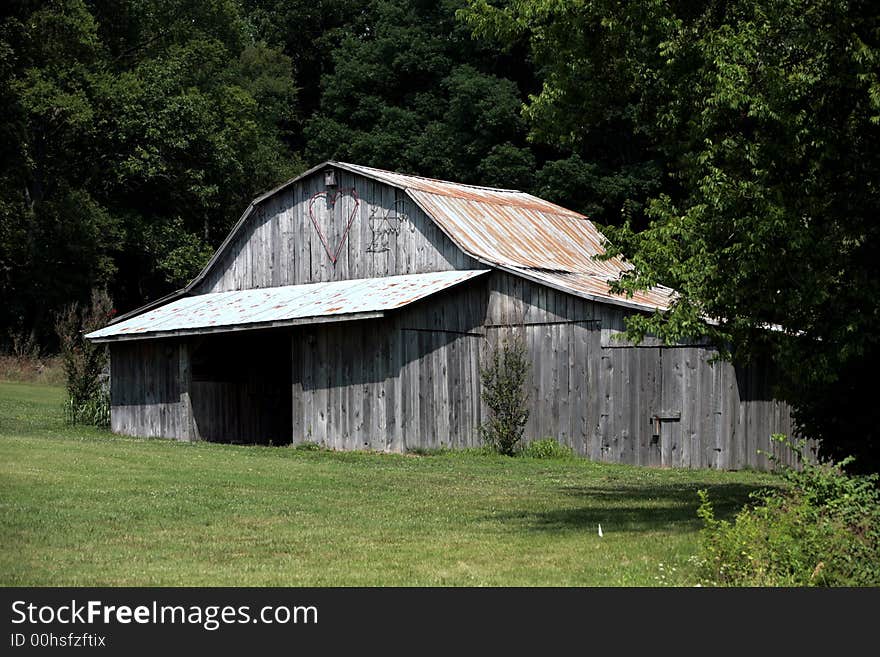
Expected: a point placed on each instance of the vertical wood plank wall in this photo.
(599, 394)
(145, 390)
(279, 244)
(411, 380)
(407, 381)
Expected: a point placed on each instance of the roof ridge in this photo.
(437, 180)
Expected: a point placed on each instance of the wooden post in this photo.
(189, 431)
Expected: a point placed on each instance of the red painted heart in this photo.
(332, 197)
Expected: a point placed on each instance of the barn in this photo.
(353, 307)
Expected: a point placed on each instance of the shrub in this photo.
(547, 448)
(821, 530)
(309, 446)
(504, 394)
(84, 363)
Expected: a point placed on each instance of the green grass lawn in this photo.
(80, 506)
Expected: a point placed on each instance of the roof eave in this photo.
(155, 303)
(235, 328)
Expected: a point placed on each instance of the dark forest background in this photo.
(729, 149)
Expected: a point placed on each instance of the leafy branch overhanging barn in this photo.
(353, 306)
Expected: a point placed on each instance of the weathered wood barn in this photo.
(353, 307)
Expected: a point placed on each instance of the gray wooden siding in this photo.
(145, 390)
(279, 245)
(411, 380)
(393, 384)
(599, 394)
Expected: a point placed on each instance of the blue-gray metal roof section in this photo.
(283, 306)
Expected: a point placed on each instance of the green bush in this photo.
(823, 529)
(547, 448)
(504, 394)
(85, 363)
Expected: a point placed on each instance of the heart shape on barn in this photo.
(331, 198)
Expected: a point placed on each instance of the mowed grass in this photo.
(82, 507)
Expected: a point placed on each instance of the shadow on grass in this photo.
(634, 509)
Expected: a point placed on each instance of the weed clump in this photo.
(547, 448)
(822, 530)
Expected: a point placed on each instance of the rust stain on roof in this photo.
(521, 233)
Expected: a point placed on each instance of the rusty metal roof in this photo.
(592, 286)
(503, 228)
(283, 306)
(521, 233)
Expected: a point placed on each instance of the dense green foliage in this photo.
(504, 393)
(764, 116)
(729, 148)
(132, 135)
(419, 93)
(83, 507)
(823, 530)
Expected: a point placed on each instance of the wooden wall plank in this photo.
(279, 245)
(412, 379)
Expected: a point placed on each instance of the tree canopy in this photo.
(132, 134)
(729, 149)
(766, 117)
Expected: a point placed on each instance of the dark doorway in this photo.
(241, 387)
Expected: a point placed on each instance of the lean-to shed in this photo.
(353, 307)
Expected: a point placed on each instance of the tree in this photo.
(589, 114)
(768, 114)
(133, 133)
(410, 90)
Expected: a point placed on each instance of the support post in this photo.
(189, 430)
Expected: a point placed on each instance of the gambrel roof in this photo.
(503, 228)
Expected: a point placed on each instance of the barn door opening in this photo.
(241, 387)
(667, 418)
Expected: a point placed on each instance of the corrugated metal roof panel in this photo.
(521, 233)
(596, 287)
(273, 305)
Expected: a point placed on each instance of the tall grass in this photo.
(31, 369)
